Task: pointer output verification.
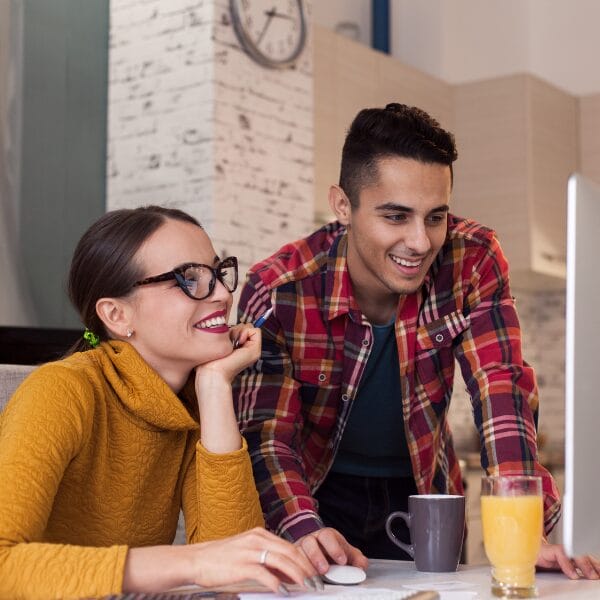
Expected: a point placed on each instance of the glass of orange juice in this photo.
(512, 513)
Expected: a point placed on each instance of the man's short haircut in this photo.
(394, 131)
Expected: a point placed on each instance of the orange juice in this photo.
(512, 534)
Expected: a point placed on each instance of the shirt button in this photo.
(322, 377)
(439, 337)
(345, 397)
(365, 342)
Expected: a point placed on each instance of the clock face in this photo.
(272, 32)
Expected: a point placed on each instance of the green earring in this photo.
(91, 338)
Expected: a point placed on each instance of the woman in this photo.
(100, 450)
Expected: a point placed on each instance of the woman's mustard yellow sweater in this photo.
(97, 454)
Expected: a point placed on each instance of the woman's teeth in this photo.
(215, 322)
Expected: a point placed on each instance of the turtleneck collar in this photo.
(140, 389)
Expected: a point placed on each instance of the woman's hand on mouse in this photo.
(255, 554)
(329, 545)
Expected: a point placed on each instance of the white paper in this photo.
(456, 592)
(440, 586)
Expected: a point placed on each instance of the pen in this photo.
(258, 323)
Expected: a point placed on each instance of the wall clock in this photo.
(272, 32)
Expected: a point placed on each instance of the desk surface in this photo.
(400, 574)
(468, 583)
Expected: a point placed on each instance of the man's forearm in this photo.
(296, 526)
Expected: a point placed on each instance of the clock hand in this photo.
(274, 13)
(270, 14)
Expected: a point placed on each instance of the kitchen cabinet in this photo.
(518, 137)
(555, 536)
(518, 142)
(474, 550)
(589, 136)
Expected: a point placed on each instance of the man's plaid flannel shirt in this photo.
(293, 404)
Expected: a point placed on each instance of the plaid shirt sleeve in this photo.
(271, 423)
(501, 384)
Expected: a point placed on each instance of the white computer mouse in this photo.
(344, 575)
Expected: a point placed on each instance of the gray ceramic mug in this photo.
(436, 523)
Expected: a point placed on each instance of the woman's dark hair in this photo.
(104, 264)
(394, 131)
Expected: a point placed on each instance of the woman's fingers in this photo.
(248, 338)
(286, 558)
(256, 554)
(239, 333)
(237, 360)
(286, 568)
(266, 577)
(248, 350)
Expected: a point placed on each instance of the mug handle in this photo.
(409, 549)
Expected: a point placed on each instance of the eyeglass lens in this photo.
(200, 280)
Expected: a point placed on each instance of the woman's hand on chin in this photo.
(219, 431)
(246, 344)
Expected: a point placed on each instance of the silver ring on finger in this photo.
(263, 557)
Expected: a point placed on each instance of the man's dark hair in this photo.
(394, 131)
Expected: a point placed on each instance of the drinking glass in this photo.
(512, 512)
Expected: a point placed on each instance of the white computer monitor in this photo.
(581, 520)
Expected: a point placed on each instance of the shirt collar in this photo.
(339, 296)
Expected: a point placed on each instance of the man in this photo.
(345, 413)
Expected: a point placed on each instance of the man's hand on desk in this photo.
(554, 557)
(329, 545)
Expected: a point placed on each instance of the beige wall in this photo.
(589, 135)
(348, 77)
(468, 40)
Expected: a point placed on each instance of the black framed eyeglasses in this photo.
(197, 280)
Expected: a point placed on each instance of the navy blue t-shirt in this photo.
(374, 442)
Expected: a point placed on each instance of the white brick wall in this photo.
(263, 149)
(160, 105)
(196, 124)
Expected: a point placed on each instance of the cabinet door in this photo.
(555, 536)
(475, 551)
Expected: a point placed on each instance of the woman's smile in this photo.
(214, 323)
